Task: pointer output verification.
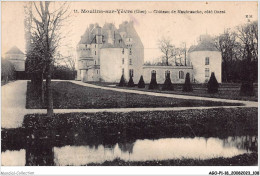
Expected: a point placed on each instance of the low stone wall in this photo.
(161, 70)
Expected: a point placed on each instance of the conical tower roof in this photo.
(14, 50)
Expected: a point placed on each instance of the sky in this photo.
(151, 27)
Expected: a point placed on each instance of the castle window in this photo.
(130, 51)
(130, 61)
(123, 71)
(123, 61)
(95, 62)
(181, 75)
(97, 71)
(95, 46)
(167, 73)
(131, 72)
(206, 72)
(123, 51)
(95, 53)
(207, 61)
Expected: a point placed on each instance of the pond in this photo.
(138, 150)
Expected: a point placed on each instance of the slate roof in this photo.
(118, 41)
(89, 36)
(86, 38)
(14, 50)
(205, 44)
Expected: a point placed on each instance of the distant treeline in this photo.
(239, 51)
(8, 72)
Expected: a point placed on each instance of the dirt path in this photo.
(13, 103)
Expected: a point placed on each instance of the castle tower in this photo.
(17, 58)
(205, 59)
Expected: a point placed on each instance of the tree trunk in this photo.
(49, 92)
(42, 91)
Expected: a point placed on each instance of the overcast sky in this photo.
(150, 27)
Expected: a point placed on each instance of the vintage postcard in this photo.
(118, 83)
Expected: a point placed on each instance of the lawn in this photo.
(226, 90)
(67, 95)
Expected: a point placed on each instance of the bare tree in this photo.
(69, 59)
(46, 19)
(168, 50)
(248, 36)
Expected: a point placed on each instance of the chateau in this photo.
(106, 53)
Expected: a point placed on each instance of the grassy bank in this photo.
(67, 95)
(226, 91)
(40, 133)
(240, 160)
(110, 128)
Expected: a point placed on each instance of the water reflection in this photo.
(142, 150)
(13, 158)
(43, 152)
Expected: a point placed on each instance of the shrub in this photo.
(213, 84)
(141, 83)
(167, 83)
(122, 81)
(153, 84)
(63, 73)
(247, 88)
(7, 70)
(131, 82)
(187, 87)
